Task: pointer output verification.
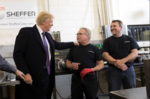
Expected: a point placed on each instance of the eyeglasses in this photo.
(80, 34)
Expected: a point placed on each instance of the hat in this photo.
(86, 71)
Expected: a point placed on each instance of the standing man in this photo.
(84, 60)
(34, 55)
(119, 51)
(5, 66)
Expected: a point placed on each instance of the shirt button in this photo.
(44, 67)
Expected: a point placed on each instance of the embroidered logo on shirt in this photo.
(126, 41)
(90, 51)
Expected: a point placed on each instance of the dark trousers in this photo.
(45, 85)
(25, 91)
(116, 77)
(88, 86)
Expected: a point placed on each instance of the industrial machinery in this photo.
(60, 60)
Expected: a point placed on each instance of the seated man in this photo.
(5, 66)
(82, 60)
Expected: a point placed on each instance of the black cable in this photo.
(59, 94)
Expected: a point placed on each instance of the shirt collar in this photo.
(39, 29)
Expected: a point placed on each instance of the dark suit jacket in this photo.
(30, 57)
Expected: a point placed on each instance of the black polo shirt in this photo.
(120, 47)
(85, 55)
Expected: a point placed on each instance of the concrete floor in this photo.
(103, 97)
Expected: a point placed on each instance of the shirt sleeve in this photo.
(105, 46)
(5, 66)
(98, 54)
(134, 44)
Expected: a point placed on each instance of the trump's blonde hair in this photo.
(43, 16)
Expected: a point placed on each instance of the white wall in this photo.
(70, 15)
(132, 11)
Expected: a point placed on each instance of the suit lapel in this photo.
(37, 35)
(49, 38)
(51, 42)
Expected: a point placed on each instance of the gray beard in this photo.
(114, 34)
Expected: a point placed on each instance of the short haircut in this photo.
(88, 32)
(43, 16)
(119, 22)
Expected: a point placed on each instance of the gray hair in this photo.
(88, 32)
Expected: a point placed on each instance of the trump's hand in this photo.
(20, 74)
(76, 44)
(28, 79)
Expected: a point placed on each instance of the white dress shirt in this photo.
(40, 32)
